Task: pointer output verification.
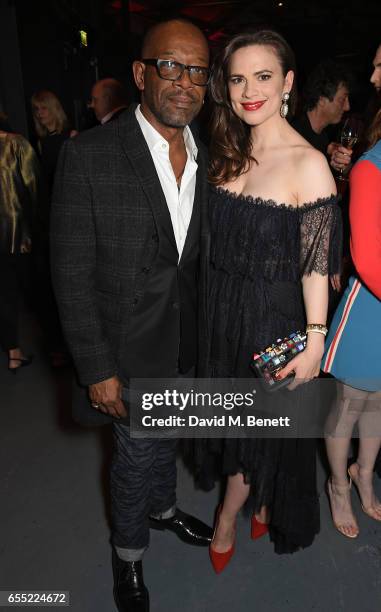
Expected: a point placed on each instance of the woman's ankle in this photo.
(365, 471)
(263, 516)
(227, 518)
(339, 482)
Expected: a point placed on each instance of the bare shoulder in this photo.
(313, 175)
(308, 157)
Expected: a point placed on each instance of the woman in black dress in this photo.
(52, 129)
(272, 210)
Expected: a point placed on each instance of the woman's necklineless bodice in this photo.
(259, 201)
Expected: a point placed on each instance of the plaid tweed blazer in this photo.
(106, 204)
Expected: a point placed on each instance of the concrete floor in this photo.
(55, 533)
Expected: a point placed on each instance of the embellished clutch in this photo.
(269, 362)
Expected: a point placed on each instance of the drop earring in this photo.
(284, 107)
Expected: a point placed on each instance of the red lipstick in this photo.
(253, 106)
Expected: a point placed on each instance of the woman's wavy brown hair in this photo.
(374, 131)
(230, 150)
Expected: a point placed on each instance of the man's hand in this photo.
(106, 396)
(340, 156)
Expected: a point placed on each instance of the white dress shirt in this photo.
(179, 201)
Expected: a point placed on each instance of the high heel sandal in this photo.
(258, 529)
(365, 510)
(25, 361)
(330, 494)
(220, 559)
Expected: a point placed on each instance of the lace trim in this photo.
(258, 201)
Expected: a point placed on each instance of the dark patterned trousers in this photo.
(143, 482)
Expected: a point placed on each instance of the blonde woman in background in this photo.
(19, 187)
(52, 129)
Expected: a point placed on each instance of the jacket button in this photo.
(155, 237)
(145, 270)
(135, 301)
(175, 305)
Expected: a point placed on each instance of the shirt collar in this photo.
(111, 113)
(155, 140)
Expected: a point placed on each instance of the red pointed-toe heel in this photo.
(220, 560)
(258, 529)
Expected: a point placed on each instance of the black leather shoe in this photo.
(130, 592)
(188, 528)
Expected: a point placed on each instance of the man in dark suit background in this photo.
(129, 253)
(326, 99)
(108, 100)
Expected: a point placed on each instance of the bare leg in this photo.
(340, 426)
(362, 470)
(263, 516)
(339, 489)
(237, 492)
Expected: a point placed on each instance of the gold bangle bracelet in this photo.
(317, 327)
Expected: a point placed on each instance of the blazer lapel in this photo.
(135, 148)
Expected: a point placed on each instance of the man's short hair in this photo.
(149, 33)
(324, 81)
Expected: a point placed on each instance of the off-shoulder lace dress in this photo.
(259, 252)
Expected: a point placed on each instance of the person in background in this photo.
(375, 79)
(19, 195)
(4, 123)
(108, 100)
(326, 99)
(374, 103)
(352, 352)
(52, 129)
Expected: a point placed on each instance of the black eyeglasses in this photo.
(172, 71)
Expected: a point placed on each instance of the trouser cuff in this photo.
(130, 554)
(164, 515)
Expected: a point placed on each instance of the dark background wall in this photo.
(11, 77)
(40, 48)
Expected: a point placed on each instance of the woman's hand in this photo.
(335, 280)
(306, 365)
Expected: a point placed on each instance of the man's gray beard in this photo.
(176, 120)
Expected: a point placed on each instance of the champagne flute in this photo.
(349, 136)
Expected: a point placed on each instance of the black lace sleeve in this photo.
(321, 237)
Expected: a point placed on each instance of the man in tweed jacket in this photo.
(129, 254)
